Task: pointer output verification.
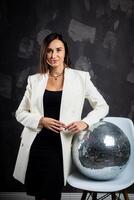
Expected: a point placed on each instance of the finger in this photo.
(76, 130)
(52, 129)
(73, 126)
(59, 123)
(55, 124)
(73, 129)
(56, 128)
(70, 125)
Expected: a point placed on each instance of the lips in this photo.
(53, 61)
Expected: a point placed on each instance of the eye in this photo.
(59, 49)
(49, 50)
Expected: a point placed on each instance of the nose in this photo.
(53, 54)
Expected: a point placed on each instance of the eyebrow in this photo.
(56, 48)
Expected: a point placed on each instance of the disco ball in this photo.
(101, 153)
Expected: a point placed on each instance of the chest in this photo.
(73, 92)
(55, 84)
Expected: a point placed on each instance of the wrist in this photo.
(41, 121)
(86, 126)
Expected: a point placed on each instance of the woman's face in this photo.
(56, 53)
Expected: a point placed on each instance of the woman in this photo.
(51, 114)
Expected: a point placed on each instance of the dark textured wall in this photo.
(100, 34)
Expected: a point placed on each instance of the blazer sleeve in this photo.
(97, 102)
(23, 114)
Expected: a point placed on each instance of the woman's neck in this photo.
(56, 71)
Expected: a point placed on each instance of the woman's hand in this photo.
(77, 126)
(52, 124)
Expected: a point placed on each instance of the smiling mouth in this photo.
(53, 61)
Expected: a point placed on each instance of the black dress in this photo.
(44, 176)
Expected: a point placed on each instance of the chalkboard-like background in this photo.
(100, 35)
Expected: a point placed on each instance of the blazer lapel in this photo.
(67, 96)
(41, 89)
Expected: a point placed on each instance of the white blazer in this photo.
(77, 86)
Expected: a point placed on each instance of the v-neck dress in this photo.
(44, 176)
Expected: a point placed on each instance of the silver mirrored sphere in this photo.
(101, 153)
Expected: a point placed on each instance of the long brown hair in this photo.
(43, 65)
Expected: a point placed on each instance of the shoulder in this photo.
(78, 72)
(35, 77)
